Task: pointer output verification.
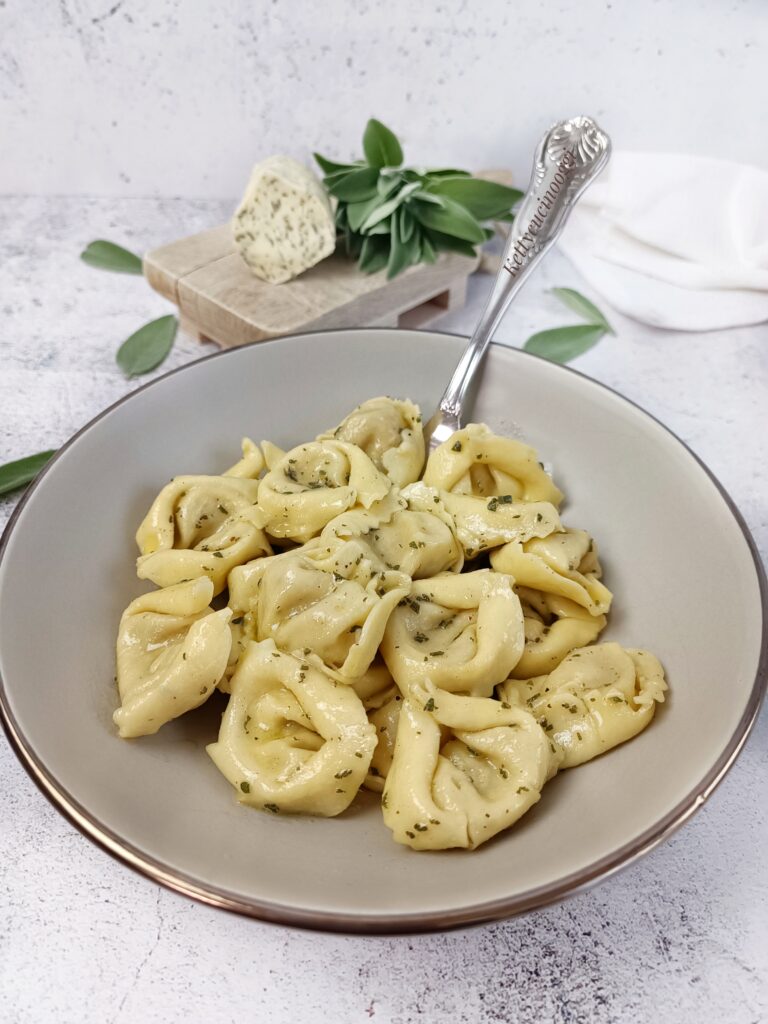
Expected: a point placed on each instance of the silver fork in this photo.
(567, 161)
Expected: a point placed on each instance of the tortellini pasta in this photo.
(595, 699)
(390, 433)
(419, 539)
(484, 523)
(463, 632)
(564, 563)
(172, 649)
(315, 482)
(200, 526)
(366, 643)
(292, 739)
(477, 461)
(464, 768)
(554, 626)
(252, 463)
(332, 603)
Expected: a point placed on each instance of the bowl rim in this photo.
(409, 923)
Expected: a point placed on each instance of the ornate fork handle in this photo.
(567, 160)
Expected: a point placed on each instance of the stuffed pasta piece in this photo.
(464, 769)
(464, 632)
(327, 600)
(390, 433)
(419, 539)
(252, 463)
(554, 626)
(477, 461)
(200, 526)
(313, 483)
(292, 740)
(485, 523)
(172, 650)
(563, 563)
(596, 698)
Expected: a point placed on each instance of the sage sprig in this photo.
(20, 472)
(149, 346)
(395, 217)
(562, 344)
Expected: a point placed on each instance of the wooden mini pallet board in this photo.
(220, 300)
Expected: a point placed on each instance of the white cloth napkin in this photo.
(675, 241)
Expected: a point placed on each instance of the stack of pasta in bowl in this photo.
(425, 632)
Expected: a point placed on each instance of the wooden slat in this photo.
(220, 299)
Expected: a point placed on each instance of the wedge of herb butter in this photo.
(284, 224)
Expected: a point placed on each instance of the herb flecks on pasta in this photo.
(366, 643)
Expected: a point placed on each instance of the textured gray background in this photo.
(179, 97)
(136, 98)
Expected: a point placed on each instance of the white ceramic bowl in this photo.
(687, 585)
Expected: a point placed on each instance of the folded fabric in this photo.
(675, 241)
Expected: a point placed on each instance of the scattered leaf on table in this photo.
(21, 472)
(561, 344)
(580, 304)
(147, 347)
(108, 256)
(381, 146)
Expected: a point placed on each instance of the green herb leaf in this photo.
(381, 146)
(451, 219)
(330, 166)
(357, 213)
(147, 347)
(485, 200)
(428, 253)
(108, 256)
(374, 254)
(22, 471)
(447, 243)
(383, 211)
(354, 186)
(406, 223)
(402, 253)
(389, 182)
(562, 344)
(580, 304)
(447, 172)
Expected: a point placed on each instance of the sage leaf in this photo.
(388, 207)
(448, 243)
(374, 254)
(428, 253)
(580, 304)
(447, 172)
(388, 183)
(330, 166)
(562, 344)
(147, 347)
(354, 186)
(22, 471)
(451, 219)
(485, 200)
(108, 256)
(357, 213)
(381, 146)
(406, 223)
(403, 252)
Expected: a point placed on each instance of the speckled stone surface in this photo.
(681, 936)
